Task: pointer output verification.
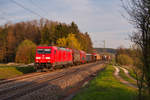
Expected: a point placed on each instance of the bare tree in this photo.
(138, 70)
(139, 12)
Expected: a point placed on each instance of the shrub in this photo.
(123, 59)
(26, 52)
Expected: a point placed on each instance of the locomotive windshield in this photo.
(43, 51)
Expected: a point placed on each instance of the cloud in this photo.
(113, 38)
(101, 18)
(103, 22)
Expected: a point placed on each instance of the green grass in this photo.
(123, 75)
(12, 71)
(106, 87)
(132, 74)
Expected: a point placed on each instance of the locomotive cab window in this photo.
(39, 51)
(43, 51)
(47, 51)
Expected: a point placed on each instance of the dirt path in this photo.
(127, 73)
(116, 73)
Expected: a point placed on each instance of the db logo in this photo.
(43, 57)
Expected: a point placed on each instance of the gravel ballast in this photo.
(56, 89)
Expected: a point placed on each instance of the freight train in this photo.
(50, 57)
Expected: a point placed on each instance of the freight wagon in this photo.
(76, 57)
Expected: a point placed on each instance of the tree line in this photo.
(18, 41)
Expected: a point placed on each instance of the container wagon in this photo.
(89, 58)
(76, 56)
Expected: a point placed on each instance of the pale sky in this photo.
(102, 19)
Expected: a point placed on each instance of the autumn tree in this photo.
(26, 52)
(85, 42)
(73, 28)
(62, 42)
(10, 45)
(89, 44)
(69, 42)
(3, 35)
(72, 42)
(45, 34)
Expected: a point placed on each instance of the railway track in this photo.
(42, 80)
(30, 88)
(19, 77)
(23, 77)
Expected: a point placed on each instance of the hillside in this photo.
(109, 50)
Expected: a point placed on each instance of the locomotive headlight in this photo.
(38, 57)
(48, 58)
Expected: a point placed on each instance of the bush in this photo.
(26, 52)
(123, 59)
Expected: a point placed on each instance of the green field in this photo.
(106, 87)
(13, 71)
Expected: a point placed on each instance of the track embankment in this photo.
(47, 86)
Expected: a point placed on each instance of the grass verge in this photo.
(132, 74)
(106, 87)
(12, 71)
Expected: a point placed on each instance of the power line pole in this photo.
(104, 45)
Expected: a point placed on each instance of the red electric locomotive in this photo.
(51, 56)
